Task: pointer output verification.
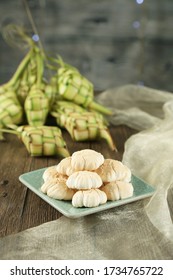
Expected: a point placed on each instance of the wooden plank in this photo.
(11, 166)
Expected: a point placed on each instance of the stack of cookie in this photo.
(87, 179)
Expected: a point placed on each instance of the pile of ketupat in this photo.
(28, 98)
(87, 179)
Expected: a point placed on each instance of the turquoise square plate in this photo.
(33, 180)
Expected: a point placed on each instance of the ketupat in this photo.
(40, 97)
(36, 106)
(74, 87)
(10, 107)
(61, 110)
(10, 110)
(88, 126)
(50, 92)
(41, 140)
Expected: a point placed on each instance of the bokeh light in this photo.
(139, 1)
(35, 37)
(136, 24)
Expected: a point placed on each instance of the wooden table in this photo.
(20, 208)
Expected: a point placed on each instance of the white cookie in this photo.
(64, 167)
(84, 180)
(89, 198)
(60, 191)
(50, 173)
(118, 190)
(86, 160)
(112, 170)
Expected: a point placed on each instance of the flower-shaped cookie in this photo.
(118, 190)
(86, 160)
(112, 170)
(50, 173)
(64, 167)
(57, 189)
(89, 198)
(84, 180)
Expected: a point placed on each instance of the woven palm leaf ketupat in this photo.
(68, 96)
(74, 87)
(10, 110)
(41, 140)
(88, 126)
(36, 106)
(61, 109)
(50, 93)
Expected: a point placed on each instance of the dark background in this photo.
(112, 42)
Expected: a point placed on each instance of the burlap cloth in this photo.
(139, 230)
